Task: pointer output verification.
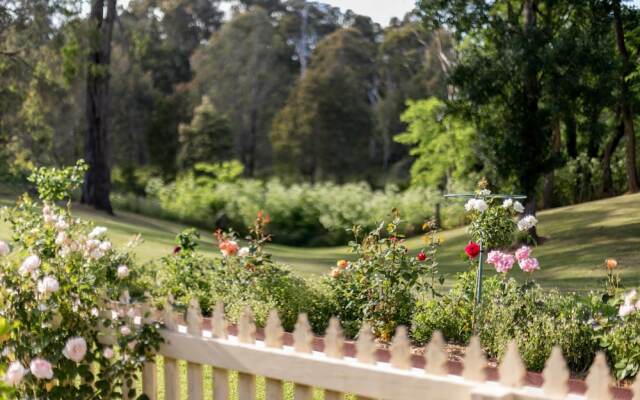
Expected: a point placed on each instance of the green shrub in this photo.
(243, 277)
(303, 214)
(379, 287)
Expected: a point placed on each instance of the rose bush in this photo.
(57, 275)
(380, 286)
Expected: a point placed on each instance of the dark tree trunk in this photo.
(97, 183)
(610, 148)
(625, 101)
(556, 143)
(572, 140)
(531, 128)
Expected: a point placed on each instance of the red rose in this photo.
(421, 256)
(177, 249)
(472, 250)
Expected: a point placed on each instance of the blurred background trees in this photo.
(536, 95)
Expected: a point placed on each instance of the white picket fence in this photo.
(337, 374)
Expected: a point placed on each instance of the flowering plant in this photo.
(57, 276)
(379, 287)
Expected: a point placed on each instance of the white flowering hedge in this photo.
(57, 275)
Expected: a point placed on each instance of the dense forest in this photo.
(538, 96)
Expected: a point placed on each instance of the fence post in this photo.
(171, 370)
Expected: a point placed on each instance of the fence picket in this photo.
(220, 384)
(273, 338)
(302, 392)
(365, 348)
(246, 387)
(302, 335)
(195, 380)
(334, 340)
(436, 357)
(401, 349)
(475, 362)
(511, 368)
(171, 371)
(333, 395)
(599, 380)
(556, 375)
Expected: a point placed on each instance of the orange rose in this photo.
(611, 263)
(335, 272)
(342, 264)
(228, 248)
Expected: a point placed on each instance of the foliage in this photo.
(208, 138)
(379, 287)
(243, 277)
(57, 278)
(442, 144)
(302, 214)
(55, 184)
(321, 133)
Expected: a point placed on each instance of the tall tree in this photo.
(246, 70)
(626, 113)
(97, 184)
(323, 132)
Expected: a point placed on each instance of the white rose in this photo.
(485, 192)
(105, 246)
(108, 353)
(75, 349)
(61, 225)
(97, 231)
(507, 203)
(41, 368)
(48, 284)
(243, 252)
(527, 222)
(61, 237)
(518, 207)
(123, 271)
(4, 248)
(29, 265)
(480, 205)
(14, 374)
(470, 205)
(125, 330)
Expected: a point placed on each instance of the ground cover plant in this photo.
(58, 274)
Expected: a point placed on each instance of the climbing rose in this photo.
(507, 203)
(30, 265)
(123, 271)
(41, 368)
(472, 250)
(476, 204)
(14, 374)
(527, 222)
(421, 256)
(4, 248)
(494, 257)
(48, 284)
(523, 253)
(75, 349)
(518, 207)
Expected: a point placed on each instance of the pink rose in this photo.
(14, 374)
(494, 257)
(41, 368)
(505, 264)
(529, 264)
(30, 265)
(75, 349)
(523, 253)
(108, 353)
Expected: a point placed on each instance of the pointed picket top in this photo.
(365, 348)
(556, 375)
(334, 340)
(302, 335)
(436, 357)
(400, 349)
(512, 370)
(194, 318)
(273, 331)
(169, 317)
(218, 323)
(246, 327)
(599, 380)
(475, 362)
(635, 389)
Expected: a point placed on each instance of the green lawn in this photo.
(579, 238)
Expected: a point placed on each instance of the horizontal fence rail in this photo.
(336, 374)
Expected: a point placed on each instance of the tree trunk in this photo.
(530, 133)
(556, 143)
(572, 137)
(625, 101)
(97, 183)
(610, 148)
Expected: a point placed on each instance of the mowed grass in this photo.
(578, 239)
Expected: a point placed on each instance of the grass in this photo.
(579, 238)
